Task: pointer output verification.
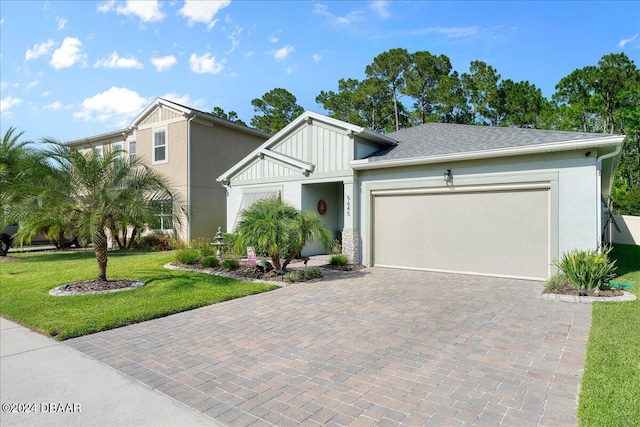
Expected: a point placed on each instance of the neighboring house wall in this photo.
(629, 233)
(212, 152)
(197, 148)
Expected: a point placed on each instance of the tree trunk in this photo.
(100, 247)
(395, 107)
(134, 232)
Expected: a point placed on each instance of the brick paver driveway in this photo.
(372, 347)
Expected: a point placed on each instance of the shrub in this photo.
(230, 264)
(587, 269)
(203, 245)
(177, 244)
(188, 256)
(301, 275)
(209, 262)
(557, 282)
(312, 273)
(294, 276)
(338, 260)
(155, 242)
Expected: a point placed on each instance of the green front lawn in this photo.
(25, 285)
(610, 388)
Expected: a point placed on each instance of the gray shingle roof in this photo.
(437, 139)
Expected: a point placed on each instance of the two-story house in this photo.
(191, 148)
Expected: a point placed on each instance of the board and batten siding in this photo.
(160, 115)
(327, 148)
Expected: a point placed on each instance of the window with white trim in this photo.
(97, 151)
(160, 146)
(132, 151)
(163, 215)
(116, 147)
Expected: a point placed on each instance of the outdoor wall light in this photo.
(448, 176)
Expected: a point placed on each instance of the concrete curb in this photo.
(628, 296)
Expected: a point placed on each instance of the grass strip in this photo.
(610, 387)
(25, 285)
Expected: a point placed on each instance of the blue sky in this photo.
(71, 69)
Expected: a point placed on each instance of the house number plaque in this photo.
(322, 207)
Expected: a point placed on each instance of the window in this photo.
(97, 151)
(132, 151)
(163, 215)
(160, 146)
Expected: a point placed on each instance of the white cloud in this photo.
(106, 6)
(68, 54)
(164, 63)
(61, 22)
(449, 32)
(4, 85)
(380, 7)
(115, 61)
(338, 21)
(45, 93)
(117, 104)
(146, 10)
(248, 54)
(235, 34)
(205, 64)
(202, 11)
(273, 39)
(282, 53)
(39, 49)
(624, 42)
(6, 104)
(290, 70)
(33, 84)
(56, 105)
(316, 57)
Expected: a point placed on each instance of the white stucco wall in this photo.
(575, 203)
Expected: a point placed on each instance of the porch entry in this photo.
(326, 201)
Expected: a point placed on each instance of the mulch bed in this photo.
(249, 270)
(99, 285)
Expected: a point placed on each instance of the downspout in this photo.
(189, 177)
(600, 237)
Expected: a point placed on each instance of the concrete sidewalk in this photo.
(61, 386)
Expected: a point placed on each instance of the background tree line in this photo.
(403, 89)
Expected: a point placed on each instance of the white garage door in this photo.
(502, 233)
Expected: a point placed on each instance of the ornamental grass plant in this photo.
(587, 269)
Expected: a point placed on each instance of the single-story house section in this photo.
(440, 197)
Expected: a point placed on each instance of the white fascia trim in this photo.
(287, 160)
(91, 139)
(153, 105)
(307, 115)
(607, 141)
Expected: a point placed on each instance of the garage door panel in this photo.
(497, 232)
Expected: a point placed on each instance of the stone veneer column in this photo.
(351, 244)
(350, 233)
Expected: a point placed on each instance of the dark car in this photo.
(8, 235)
(6, 239)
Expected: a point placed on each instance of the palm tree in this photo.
(13, 156)
(280, 229)
(89, 193)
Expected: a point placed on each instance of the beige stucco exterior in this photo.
(199, 147)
